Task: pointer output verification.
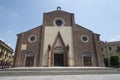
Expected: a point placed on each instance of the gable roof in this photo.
(79, 26)
(58, 11)
(30, 30)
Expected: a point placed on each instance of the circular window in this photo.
(32, 38)
(84, 38)
(58, 22)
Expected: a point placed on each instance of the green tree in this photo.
(114, 61)
(106, 62)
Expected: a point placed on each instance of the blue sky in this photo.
(100, 16)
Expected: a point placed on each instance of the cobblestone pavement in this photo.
(64, 77)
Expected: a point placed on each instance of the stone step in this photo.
(27, 71)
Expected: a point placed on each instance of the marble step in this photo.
(28, 71)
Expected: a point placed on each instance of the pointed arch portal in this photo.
(59, 52)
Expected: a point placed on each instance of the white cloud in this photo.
(115, 38)
(9, 44)
(1, 39)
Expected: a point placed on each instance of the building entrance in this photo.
(87, 61)
(58, 59)
(29, 62)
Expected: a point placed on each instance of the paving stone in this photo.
(60, 73)
(65, 77)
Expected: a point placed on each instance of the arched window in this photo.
(87, 58)
(29, 59)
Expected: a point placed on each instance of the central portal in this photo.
(58, 59)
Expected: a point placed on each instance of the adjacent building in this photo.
(110, 49)
(6, 54)
(59, 41)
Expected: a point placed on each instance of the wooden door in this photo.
(58, 59)
(87, 61)
(29, 61)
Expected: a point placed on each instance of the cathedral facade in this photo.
(59, 41)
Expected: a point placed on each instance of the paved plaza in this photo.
(65, 77)
(60, 73)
